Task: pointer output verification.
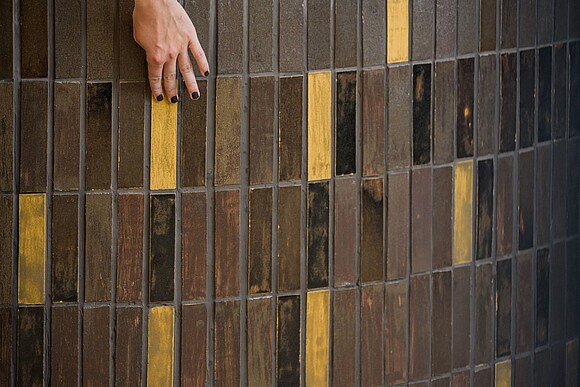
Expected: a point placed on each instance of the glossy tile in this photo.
(131, 135)
(421, 212)
(96, 351)
(484, 227)
(527, 98)
(345, 33)
(318, 219)
(373, 31)
(487, 29)
(30, 347)
(33, 136)
(524, 297)
(64, 248)
(67, 39)
(346, 106)
(373, 122)
(130, 216)
(397, 31)
(288, 341)
(194, 331)
(443, 115)
(464, 128)
(163, 170)
(128, 346)
(319, 125)
(260, 14)
(419, 327)
(317, 337)
(6, 250)
(503, 308)
(227, 130)
(421, 114)
(100, 39)
(260, 241)
(193, 137)
(260, 342)
(504, 206)
(66, 136)
(462, 212)
(542, 317)
(64, 346)
(371, 244)
(486, 105)
(396, 333)
(98, 135)
(34, 38)
(98, 238)
(291, 25)
(229, 39)
(345, 232)
(318, 46)
(398, 197)
(160, 346)
(398, 111)
(545, 94)
(6, 136)
(526, 200)
(461, 317)
(372, 306)
(343, 338)
(162, 248)
(507, 102)
(261, 129)
(484, 314)
(227, 243)
(193, 245)
(289, 238)
(227, 343)
(441, 322)
(290, 128)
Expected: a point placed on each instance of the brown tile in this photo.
(288, 341)
(229, 36)
(131, 135)
(483, 376)
(507, 95)
(545, 24)
(345, 34)
(573, 186)
(64, 248)
(372, 361)
(345, 232)
(461, 317)
(318, 35)
(132, 63)
(100, 21)
(64, 346)
(509, 25)
(524, 299)
(443, 116)
(289, 238)
(6, 325)
(6, 53)
(193, 137)
(442, 210)
(503, 308)
(260, 243)
(504, 206)
(572, 288)
(6, 136)
(346, 91)
(464, 128)
(545, 94)
(396, 333)
(486, 105)
(260, 35)
(398, 131)
(227, 343)
(523, 372)
(542, 296)
(95, 346)
(466, 26)
(543, 195)
(445, 28)
(397, 225)
(421, 114)
(527, 98)
(559, 212)
(193, 245)
(33, 136)
(98, 136)
(373, 122)
(527, 23)
(98, 213)
(227, 130)
(290, 128)
(128, 346)
(34, 39)
(317, 234)
(421, 210)
(261, 129)
(542, 368)
(487, 17)
(129, 247)
(260, 342)
(371, 244)
(484, 228)
(557, 302)
(484, 313)
(67, 38)
(30, 350)
(558, 364)
(574, 79)
(419, 327)
(441, 323)
(194, 331)
(423, 22)
(227, 243)
(66, 135)
(6, 249)
(343, 351)
(373, 32)
(560, 91)
(162, 248)
(291, 51)
(526, 200)
(198, 11)
(443, 382)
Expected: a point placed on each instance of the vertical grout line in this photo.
(358, 177)
(330, 268)
(304, 199)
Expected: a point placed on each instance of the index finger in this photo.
(155, 78)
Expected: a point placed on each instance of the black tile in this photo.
(545, 24)
(260, 245)
(526, 200)
(98, 136)
(527, 23)
(6, 137)
(558, 364)
(6, 40)
(64, 251)
(345, 231)
(131, 135)
(461, 316)
(318, 236)
(572, 288)
(561, 15)
(346, 102)
(290, 128)
(542, 296)
(559, 190)
(560, 91)
(419, 330)
(421, 114)
(162, 259)
(574, 119)
(132, 63)
(557, 323)
(527, 98)
(573, 185)
(198, 11)
(543, 195)
(504, 308)
(34, 38)
(484, 313)
(484, 208)
(66, 136)
(508, 97)
(486, 105)
(464, 128)
(6, 250)
(30, 347)
(288, 341)
(524, 297)
(545, 94)
(504, 206)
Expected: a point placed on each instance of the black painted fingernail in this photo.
(206, 73)
(195, 95)
(160, 97)
(174, 99)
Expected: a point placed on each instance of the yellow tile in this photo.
(160, 347)
(462, 214)
(163, 144)
(319, 125)
(503, 374)
(32, 248)
(317, 327)
(227, 130)
(397, 31)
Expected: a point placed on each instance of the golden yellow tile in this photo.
(319, 125)
(163, 144)
(32, 248)
(160, 347)
(397, 31)
(317, 331)
(227, 130)
(503, 374)
(462, 213)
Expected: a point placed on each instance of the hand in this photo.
(165, 31)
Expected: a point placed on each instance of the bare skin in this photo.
(166, 33)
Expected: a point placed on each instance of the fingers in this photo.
(169, 77)
(186, 69)
(155, 76)
(199, 55)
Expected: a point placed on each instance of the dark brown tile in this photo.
(524, 297)
(6, 136)
(466, 26)
(290, 128)
(346, 92)
(289, 238)
(64, 346)
(484, 228)
(98, 215)
(291, 51)
(574, 118)
(464, 128)
(100, 27)
(559, 214)
(193, 137)
(318, 34)
(345, 232)
(507, 102)
(572, 288)
(527, 98)
(317, 234)
(445, 29)
(95, 346)
(560, 19)
(345, 34)
(33, 136)
(560, 91)
(396, 333)
(129, 247)
(373, 32)
(261, 129)
(34, 39)
(542, 296)
(260, 35)
(443, 382)
(229, 36)
(441, 323)
(557, 302)
(131, 135)
(542, 368)
(6, 326)
(372, 361)
(6, 249)
(128, 346)
(487, 16)
(526, 200)
(343, 351)
(421, 114)
(373, 122)
(443, 116)
(260, 342)
(194, 331)
(67, 38)
(421, 212)
(64, 248)
(162, 248)
(66, 135)
(509, 25)
(398, 131)
(486, 105)
(193, 245)
(198, 11)
(419, 327)
(523, 372)
(545, 94)
(545, 24)
(483, 376)
(227, 130)
(227, 343)
(30, 351)
(543, 195)
(558, 364)
(98, 136)
(132, 63)
(423, 22)
(504, 206)
(371, 233)
(461, 317)
(260, 244)
(572, 364)
(6, 52)
(288, 341)
(573, 186)
(227, 243)
(397, 225)
(484, 313)
(503, 308)
(527, 23)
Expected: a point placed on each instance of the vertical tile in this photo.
(95, 346)
(527, 23)
(509, 24)
(443, 382)
(290, 49)
(288, 341)
(560, 91)
(67, 39)
(6, 326)
(423, 22)
(31, 248)
(6, 249)
(100, 51)
(372, 305)
(260, 342)
(289, 237)
(227, 243)
(318, 34)
(317, 234)
(483, 376)
(160, 346)
(373, 32)
(397, 225)
(572, 363)
(260, 243)
(445, 28)
(373, 122)
(443, 116)
(397, 31)
(560, 19)
(487, 17)
(572, 288)
(557, 293)
(545, 24)
(464, 128)
(545, 94)
(229, 36)
(30, 351)
(574, 116)
(6, 53)
(345, 34)
(343, 338)
(542, 296)
(526, 200)
(346, 91)
(396, 333)
(503, 308)
(290, 128)
(486, 105)
(194, 331)
(317, 337)
(543, 194)
(573, 186)
(6, 135)
(131, 135)
(484, 313)
(33, 136)
(345, 232)
(542, 368)
(64, 248)
(559, 190)
(193, 245)
(198, 11)
(261, 129)
(33, 38)
(130, 212)
(193, 137)
(227, 343)
(504, 206)
(462, 212)
(128, 346)
(503, 374)
(441, 323)
(98, 136)
(507, 102)
(524, 297)
(319, 121)
(484, 208)
(163, 172)
(162, 248)
(227, 130)
(66, 135)
(398, 112)
(421, 212)
(461, 316)
(98, 238)
(419, 327)
(371, 244)
(132, 63)
(558, 364)
(64, 346)
(421, 114)
(466, 26)
(523, 372)
(460, 378)
(527, 98)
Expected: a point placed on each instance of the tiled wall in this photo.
(371, 192)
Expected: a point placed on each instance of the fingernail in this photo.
(160, 97)
(206, 73)
(174, 99)
(195, 95)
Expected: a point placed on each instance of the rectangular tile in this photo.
(503, 374)
(373, 122)
(160, 346)
(6, 135)
(343, 338)
(461, 317)
(572, 288)
(572, 363)
(193, 137)
(132, 62)
(462, 212)
(560, 91)
(163, 172)
(483, 376)
(371, 233)
(34, 39)
(288, 341)
(317, 234)
(260, 342)
(261, 129)
(128, 346)
(33, 136)
(372, 305)
(130, 213)
(466, 26)
(421, 114)
(484, 314)
(227, 243)
(227, 130)
(526, 200)
(527, 23)
(227, 343)
(64, 248)
(345, 232)
(527, 98)
(557, 293)
(543, 195)
(260, 241)
(162, 248)
(198, 11)
(194, 331)
(561, 19)
(290, 128)
(229, 36)
(558, 364)
(419, 327)
(30, 350)
(317, 337)
(503, 308)
(443, 382)
(559, 190)
(484, 227)
(6, 346)
(67, 39)
(31, 248)
(398, 131)
(131, 135)
(345, 33)
(441, 323)
(573, 186)
(398, 228)
(100, 16)
(64, 346)
(487, 30)
(396, 333)
(421, 212)
(523, 371)
(95, 346)
(318, 34)
(504, 206)
(290, 49)
(509, 24)
(319, 125)
(98, 136)
(486, 105)
(345, 131)
(524, 297)
(445, 28)
(289, 238)
(66, 135)
(373, 31)
(443, 116)
(542, 296)
(507, 102)
(6, 51)
(545, 94)
(423, 23)
(545, 24)
(442, 212)
(464, 128)
(542, 367)
(193, 245)
(6, 249)
(397, 31)
(98, 238)
(574, 84)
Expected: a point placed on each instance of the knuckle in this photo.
(186, 68)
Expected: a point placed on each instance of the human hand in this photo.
(165, 31)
